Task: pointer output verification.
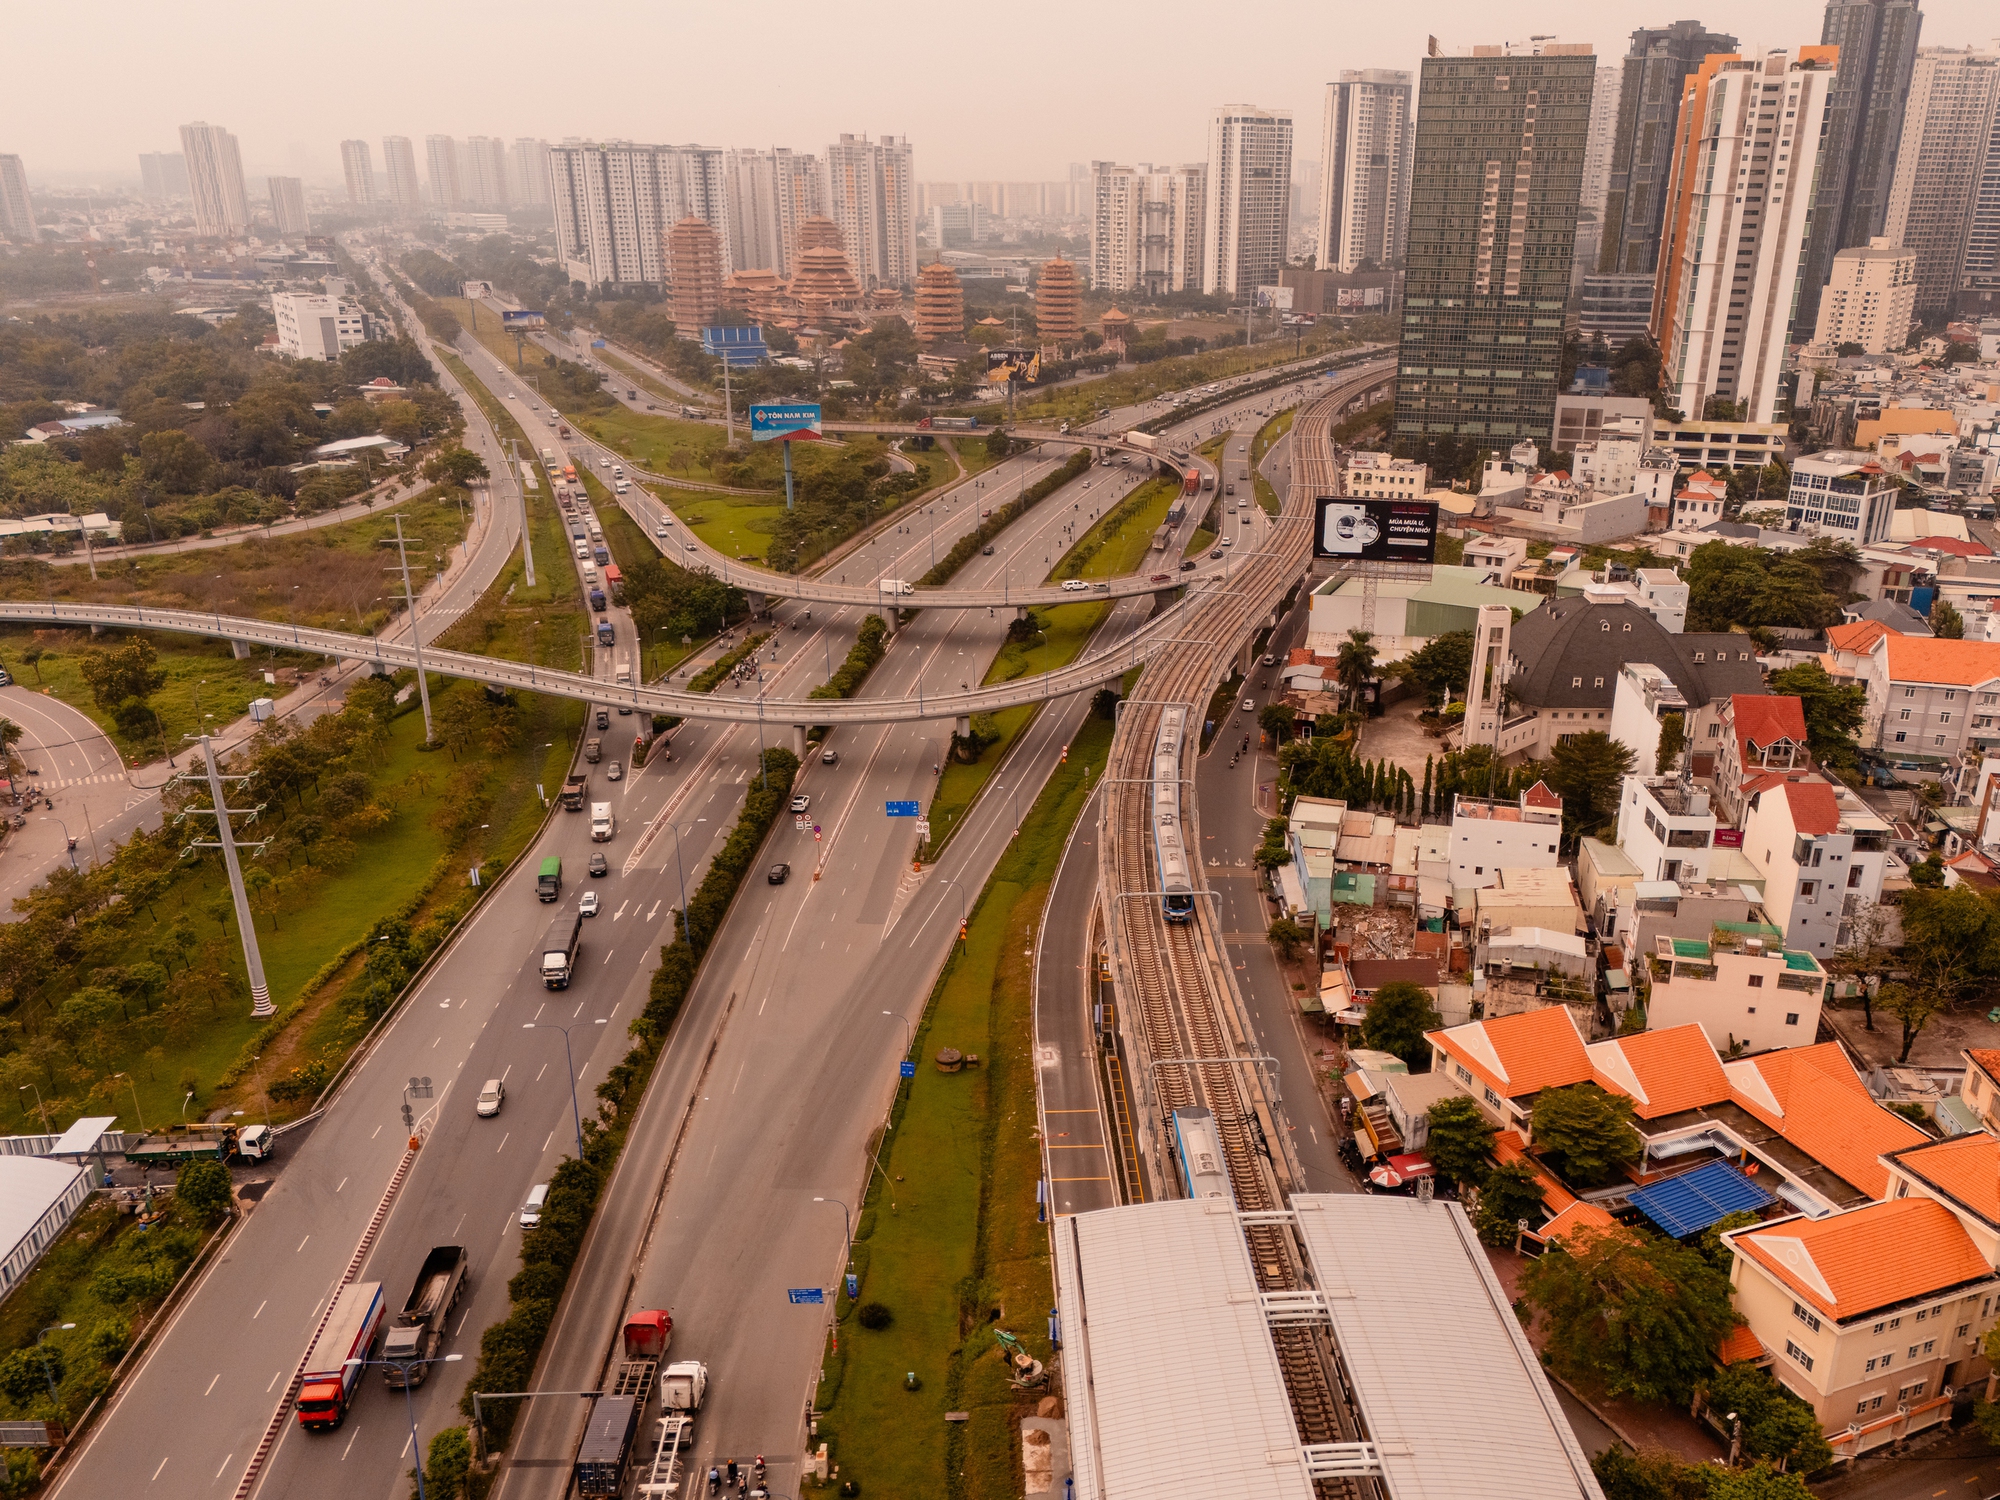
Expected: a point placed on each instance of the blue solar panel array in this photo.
(1689, 1204)
(736, 344)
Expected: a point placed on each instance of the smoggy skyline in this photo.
(1059, 83)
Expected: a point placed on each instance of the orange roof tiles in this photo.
(1815, 810)
(1872, 1257)
(1577, 1216)
(1662, 1072)
(1539, 795)
(1740, 1344)
(1520, 1054)
(1985, 1059)
(1814, 1098)
(1966, 1167)
(1766, 718)
(1918, 658)
(1860, 636)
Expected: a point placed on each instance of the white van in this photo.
(531, 1211)
(590, 572)
(583, 552)
(621, 487)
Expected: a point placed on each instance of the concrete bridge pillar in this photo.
(1162, 599)
(962, 725)
(758, 602)
(1247, 657)
(1020, 611)
(239, 649)
(799, 742)
(888, 613)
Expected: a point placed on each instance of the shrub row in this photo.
(967, 547)
(867, 650)
(508, 1349)
(706, 679)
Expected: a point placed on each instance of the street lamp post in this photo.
(48, 1370)
(687, 917)
(909, 1033)
(847, 1219)
(42, 1108)
(576, 1114)
(67, 840)
(409, 1401)
(135, 1097)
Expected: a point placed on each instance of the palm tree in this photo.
(1354, 664)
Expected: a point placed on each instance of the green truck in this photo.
(548, 884)
(224, 1143)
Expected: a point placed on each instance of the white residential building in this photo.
(1947, 129)
(215, 178)
(1845, 495)
(358, 168)
(482, 172)
(1737, 209)
(1821, 860)
(1488, 837)
(1870, 297)
(1377, 476)
(1757, 997)
(1641, 699)
(615, 201)
(441, 169)
(316, 326)
(288, 204)
(1146, 227)
(1666, 827)
(17, 211)
(1365, 150)
(1248, 218)
(871, 193)
(399, 171)
(770, 193)
(528, 172)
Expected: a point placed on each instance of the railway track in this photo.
(1173, 979)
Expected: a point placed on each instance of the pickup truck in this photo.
(420, 1327)
(548, 881)
(559, 950)
(572, 792)
(328, 1381)
(602, 824)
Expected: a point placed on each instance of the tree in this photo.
(176, 464)
(1459, 1139)
(25, 1375)
(1397, 1018)
(1287, 937)
(456, 467)
(1833, 711)
(1442, 668)
(449, 1462)
(1673, 740)
(1630, 1312)
(1354, 664)
(127, 672)
(1946, 622)
(1276, 719)
(1588, 1131)
(1950, 937)
(1273, 851)
(1776, 1424)
(1586, 771)
(1511, 1192)
(202, 1187)
(33, 655)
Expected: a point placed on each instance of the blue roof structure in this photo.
(1690, 1203)
(736, 344)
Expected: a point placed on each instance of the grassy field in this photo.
(1267, 436)
(487, 330)
(1143, 382)
(737, 526)
(948, 1239)
(1115, 546)
(639, 379)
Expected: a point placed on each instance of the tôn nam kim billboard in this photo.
(790, 420)
(1375, 530)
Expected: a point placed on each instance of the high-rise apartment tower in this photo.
(615, 201)
(399, 169)
(1493, 204)
(770, 193)
(1656, 65)
(528, 172)
(1954, 98)
(1248, 216)
(1145, 227)
(288, 204)
(358, 167)
(441, 168)
(17, 211)
(162, 175)
(215, 180)
(871, 193)
(1364, 185)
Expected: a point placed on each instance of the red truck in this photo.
(332, 1372)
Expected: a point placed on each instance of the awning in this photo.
(81, 1139)
(1689, 1204)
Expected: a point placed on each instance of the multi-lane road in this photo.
(779, 1066)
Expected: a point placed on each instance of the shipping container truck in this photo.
(419, 1328)
(333, 1367)
(548, 881)
(1145, 442)
(602, 1456)
(559, 950)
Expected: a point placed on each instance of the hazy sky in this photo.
(1014, 90)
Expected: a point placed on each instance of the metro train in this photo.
(1169, 847)
(1198, 1152)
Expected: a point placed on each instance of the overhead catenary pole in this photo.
(416, 635)
(225, 840)
(521, 490)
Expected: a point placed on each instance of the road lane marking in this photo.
(434, 1044)
(211, 1384)
(621, 910)
(578, 1011)
(654, 912)
(607, 959)
(343, 1183)
(545, 1144)
(280, 1375)
(260, 1307)
(503, 1076)
(378, 1131)
(503, 1143)
(350, 1443)
(225, 1464)
(156, 1472)
(538, 1076)
(302, 1245)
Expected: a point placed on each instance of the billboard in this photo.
(474, 290)
(1279, 297)
(1375, 530)
(790, 420)
(520, 320)
(1024, 365)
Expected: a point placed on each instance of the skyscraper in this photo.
(615, 201)
(770, 193)
(1982, 240)
(1493, 201)
(1735, 244)
(215, 180)
(1596, 185)
(1864, 125)
(871, 192)
(288, 204)
(482, 172)
(1364, 192)
(162, 175)
(1145, 227)
(399, 167)
(528, 169)
(17, 212)
(1954, 96)
(1248, 215)
(359, 169)
(441, 167)
(1656, 64)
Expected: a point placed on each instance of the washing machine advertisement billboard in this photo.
(1376, 530)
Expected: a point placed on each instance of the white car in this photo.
(801, 802)
(588, 904)
(1074, 586)
(660, 528)
(1249, 706)
(604, 463)
(490, 1099)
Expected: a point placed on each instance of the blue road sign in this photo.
(802, 1294)
(902, 809)
(853, 1286)
(909, 1068)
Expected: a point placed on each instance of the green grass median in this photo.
(947, 1240)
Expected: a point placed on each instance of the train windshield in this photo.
(1180, 905)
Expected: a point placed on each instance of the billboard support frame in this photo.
(785, 423)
